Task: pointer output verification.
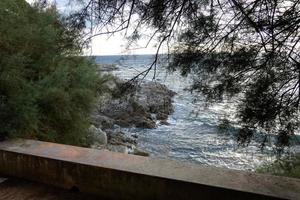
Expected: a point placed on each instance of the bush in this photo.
(46, 89)
(289, 167)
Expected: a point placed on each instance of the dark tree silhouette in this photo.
(244, 48)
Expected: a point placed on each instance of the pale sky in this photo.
(105, 45)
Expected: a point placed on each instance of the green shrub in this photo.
(289, 167)
(46, 89)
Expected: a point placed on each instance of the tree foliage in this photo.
(233, 48)
(46, 89)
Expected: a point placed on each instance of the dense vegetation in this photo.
(232, 48)
(46, 89)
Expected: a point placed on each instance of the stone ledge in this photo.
(121, 176)
(19, 189)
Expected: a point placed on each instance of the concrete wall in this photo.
(121, 176)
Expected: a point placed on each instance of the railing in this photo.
(121, 176)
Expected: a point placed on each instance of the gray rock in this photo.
(97, 136)
(134, 136)
(118, 148)
(120, 138)
(161, 116)
(137, 108)
(116, 127)
(142, 122)
(140, 152)
(155, 97)
(102, 121)
(141, 106)
(164, 122)
(136, 121)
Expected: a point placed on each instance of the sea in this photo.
(193, 134)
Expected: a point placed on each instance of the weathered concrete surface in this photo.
(121, 176)
(16, 189)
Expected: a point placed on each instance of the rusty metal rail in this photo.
(120, 176)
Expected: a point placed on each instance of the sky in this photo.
(104, 44)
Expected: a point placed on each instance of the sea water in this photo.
(193, 133)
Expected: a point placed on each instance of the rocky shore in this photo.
(140, 104)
